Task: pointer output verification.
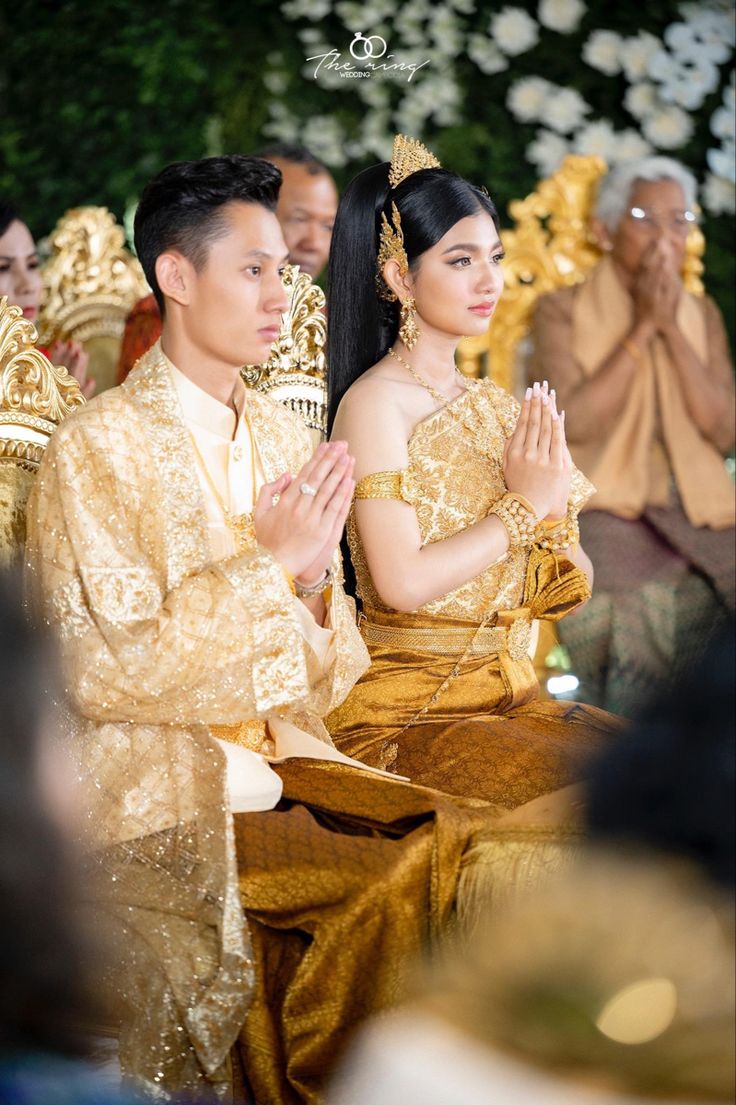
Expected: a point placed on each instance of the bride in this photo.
(464, 525)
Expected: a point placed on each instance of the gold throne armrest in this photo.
(548, 247)
(91, 283)
(35, 396)
(295, 372)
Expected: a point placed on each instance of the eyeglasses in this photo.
(680, 222)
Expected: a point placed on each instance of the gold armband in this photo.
(519, 519)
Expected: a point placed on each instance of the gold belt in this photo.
(451, 640)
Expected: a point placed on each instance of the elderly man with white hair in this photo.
(643, 370)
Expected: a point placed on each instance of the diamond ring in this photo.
(307, 489)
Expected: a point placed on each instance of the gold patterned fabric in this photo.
(464, 718)
(158, 644)
(344, 885)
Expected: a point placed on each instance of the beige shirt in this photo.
(224, 444)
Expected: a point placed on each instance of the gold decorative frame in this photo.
(35, 395)
(295, 372)
(549, 247)
(91, 280)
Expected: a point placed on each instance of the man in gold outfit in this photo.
(182, 540)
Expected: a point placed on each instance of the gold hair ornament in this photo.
(409, 156)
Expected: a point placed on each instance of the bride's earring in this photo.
(408, 329)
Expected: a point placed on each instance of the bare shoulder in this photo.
(373, 420)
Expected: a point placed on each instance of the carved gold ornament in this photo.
(91, 280)
(294, 374)
(35, 395)
(549, 247)
(409, 156)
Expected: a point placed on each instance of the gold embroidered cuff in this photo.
(519, 519)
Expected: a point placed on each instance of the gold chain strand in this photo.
(438, 396)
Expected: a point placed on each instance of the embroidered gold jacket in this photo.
(158, 643)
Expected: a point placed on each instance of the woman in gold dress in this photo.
(464, 526)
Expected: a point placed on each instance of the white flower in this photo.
(602, 51)
(697, 40)
(662, 66)
(690, 85)
(564, 110)
(641, 100)
(486, 55)
(669, 128)
(547, 151)
(630, 146)
(636, 53)
(729, 95)
(723, 162)
(561, 15)
(306, 9)
(514, 31)
(374, 93)
(526, 97)
(276, 82)
(719, 195)
(325, 136)
(596, 138)
(723, 123)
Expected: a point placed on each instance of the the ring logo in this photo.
(367, 50)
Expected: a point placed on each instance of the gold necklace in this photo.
(438, 396)
(240, 525)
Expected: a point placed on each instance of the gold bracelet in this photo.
(634, 353)
(556, 536)
(518, 518)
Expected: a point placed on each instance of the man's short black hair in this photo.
(182, 207)
(295, 155)
(8, 214)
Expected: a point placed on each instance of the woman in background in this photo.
(20, 281)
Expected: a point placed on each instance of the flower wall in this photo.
(96, 98)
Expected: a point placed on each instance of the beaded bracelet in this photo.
(557, 536)
(518, 517)
(317, 588)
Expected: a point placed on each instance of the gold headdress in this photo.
(408, 157)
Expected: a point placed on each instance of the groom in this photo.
(182, 540)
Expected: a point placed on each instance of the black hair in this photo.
(361, 326)
(669, 784)
(295, 155)
(45, 979)
(182, 207)
(8, 214)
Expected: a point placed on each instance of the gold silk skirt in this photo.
(460, 719)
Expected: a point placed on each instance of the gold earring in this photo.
(408, 329)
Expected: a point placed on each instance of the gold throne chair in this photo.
(295, 372)
(548, 247)
(35, 396)
(91, 283)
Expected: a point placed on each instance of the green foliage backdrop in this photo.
(94, 99)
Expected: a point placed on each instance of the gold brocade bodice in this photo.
(454, 476)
